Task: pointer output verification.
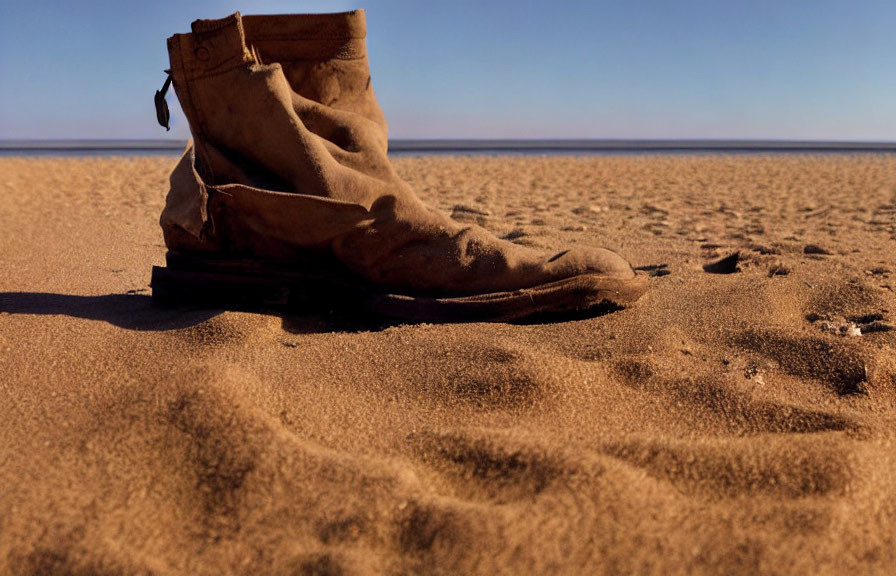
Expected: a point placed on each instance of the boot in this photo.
(287, 189)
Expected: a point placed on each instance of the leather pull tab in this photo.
(163, 115)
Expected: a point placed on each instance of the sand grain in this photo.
(724, 424)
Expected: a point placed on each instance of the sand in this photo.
(731, 423)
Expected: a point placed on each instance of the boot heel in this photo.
(171, 288)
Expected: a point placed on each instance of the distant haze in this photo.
(642, 69)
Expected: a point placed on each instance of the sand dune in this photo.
(738, 419)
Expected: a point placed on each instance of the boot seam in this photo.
(310, 49)
(187, 81)
(228, 70)
(320, 59)
(316, 36)
(237, 66)
(204, 26)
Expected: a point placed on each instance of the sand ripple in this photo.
(726, 423)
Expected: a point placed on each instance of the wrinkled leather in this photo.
(289, 156)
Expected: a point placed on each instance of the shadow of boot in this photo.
(129, 311)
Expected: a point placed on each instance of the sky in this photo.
(634, 69)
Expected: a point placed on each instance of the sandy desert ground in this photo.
(738, 419)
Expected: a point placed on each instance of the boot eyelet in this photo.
(201, 53)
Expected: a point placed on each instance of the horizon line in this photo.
(493, 144)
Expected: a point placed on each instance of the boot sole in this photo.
(245, 284)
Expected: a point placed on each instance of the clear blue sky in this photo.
(791, 69)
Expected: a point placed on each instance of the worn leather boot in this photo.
(287, 190)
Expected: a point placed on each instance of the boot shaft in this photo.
(323, 57)
(276, 104)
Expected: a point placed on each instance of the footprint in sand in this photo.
(734, 468)
(715, 402)
(839, 367)
(484, 466)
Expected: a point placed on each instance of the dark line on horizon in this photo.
(611, 145)
(499, 145)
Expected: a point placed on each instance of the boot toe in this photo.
(578, 261)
